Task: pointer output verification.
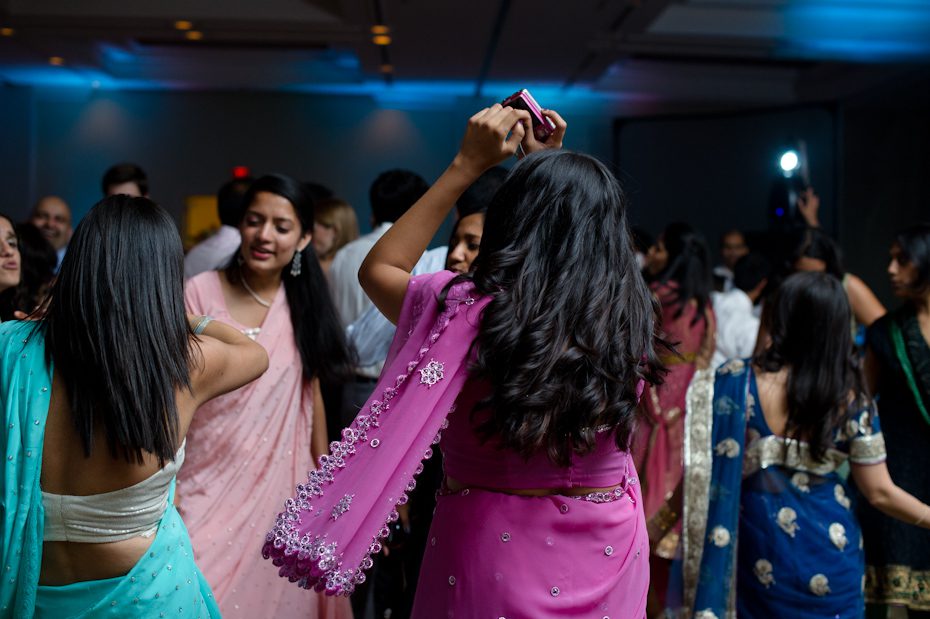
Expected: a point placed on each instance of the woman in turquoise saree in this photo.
(97, 397)
(768, 525)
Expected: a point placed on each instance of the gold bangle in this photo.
(665, 518)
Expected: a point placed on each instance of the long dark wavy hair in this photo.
(571, 329)
(318, 333)
(117, 330)
(688, 268)
(808, 322)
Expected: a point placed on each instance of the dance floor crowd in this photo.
(556, 413)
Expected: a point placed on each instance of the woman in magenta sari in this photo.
(247, 448)
(533, 362)
(683, 287)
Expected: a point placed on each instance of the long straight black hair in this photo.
(688, 268)
(808, 322)
(117, 330)
(571, 330)
(324, 352)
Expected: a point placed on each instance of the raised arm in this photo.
(386, 271)
(224, 360)
(884, 495)
(865, 305)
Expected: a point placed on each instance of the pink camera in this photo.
(523, 100)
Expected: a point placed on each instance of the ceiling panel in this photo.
(756, 51)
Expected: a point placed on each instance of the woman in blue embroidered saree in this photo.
(97, 397)
(768, 529)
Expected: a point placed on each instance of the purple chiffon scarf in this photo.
(325, 536)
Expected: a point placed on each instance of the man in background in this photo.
(737, 323)
(125, 179)
(215, 252)
(732, 247)
(52, 217)
(390, 195)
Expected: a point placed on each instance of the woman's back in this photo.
(790, 501)
(68, 472)
(98, 395)
(561, 326)
(472, 462)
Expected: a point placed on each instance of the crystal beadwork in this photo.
(432, 373)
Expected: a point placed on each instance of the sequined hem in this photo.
(898, 585)
(772, 450)
(868, 449)
(313, 561)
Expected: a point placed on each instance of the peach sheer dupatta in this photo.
(327, 533)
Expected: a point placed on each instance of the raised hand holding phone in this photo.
(491, 136)
(530, 142)
(548, 127)
(486, 142)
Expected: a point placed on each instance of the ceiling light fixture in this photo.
(193, 35)
(381, 39)
(56, 61)
(380, 29)
(7, 32)
(183, 24)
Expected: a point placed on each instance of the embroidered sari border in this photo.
(773, 450)
(898, 584)
(698, 458)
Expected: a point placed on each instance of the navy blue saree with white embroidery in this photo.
(768, 529)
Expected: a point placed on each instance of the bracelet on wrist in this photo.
(204, 321)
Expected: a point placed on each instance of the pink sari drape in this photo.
(490, 554)
(244, 451)
(659, 442)
(325, 537)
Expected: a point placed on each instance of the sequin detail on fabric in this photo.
(432, 373)
(314, 561)
(342, 506)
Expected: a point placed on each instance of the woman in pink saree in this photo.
(530, 367)
(683, 288)
(248, 447)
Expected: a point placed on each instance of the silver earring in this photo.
(295, 264)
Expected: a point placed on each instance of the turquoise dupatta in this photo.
(25, 391)
(165, 582)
